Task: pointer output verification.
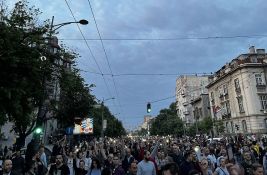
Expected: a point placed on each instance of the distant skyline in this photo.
(148, 44)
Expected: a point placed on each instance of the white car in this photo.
(217, 139)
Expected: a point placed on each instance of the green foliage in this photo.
(205, 125)
(142, 132)
(114, 126)
(20, 64)
(24, 75)
(22, 71)
(219, 125)
(167, 122)
(75, 98)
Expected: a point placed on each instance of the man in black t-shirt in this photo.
(58, 168)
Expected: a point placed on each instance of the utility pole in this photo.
(104, 122)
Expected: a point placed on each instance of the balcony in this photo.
(261, 85)
(226, 115)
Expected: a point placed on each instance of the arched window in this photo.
(244, 126)
(227, 127)
(232, 127)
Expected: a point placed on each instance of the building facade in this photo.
(238, 93)
(189, 88)
(201, 107)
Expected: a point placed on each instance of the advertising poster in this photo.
(85, 127)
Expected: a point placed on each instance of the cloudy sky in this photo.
(153, 37)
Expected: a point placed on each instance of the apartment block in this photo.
(238, 93)
(188, 89)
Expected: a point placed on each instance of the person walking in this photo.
(7, 168)
(128, 159)
(59, 168)
(132, 170)
(221, 169)
(118, 170)
(257, 169)
(95, 167)
(146, 167)
(18, 163)
(81, 170)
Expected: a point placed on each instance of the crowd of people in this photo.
(141, 156)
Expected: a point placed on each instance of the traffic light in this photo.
(237, 127)
(38, 127)
(148, 108)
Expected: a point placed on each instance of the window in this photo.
(240, 104)
(227, 107)
(212, 98)
(220, 92)
(263, 100)
(232, 127)
(259, 80)
(225, 90)
(228, 127)
(244, 126)
(254, 60)
(265, 122)
(237, 86)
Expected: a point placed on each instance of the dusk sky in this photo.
(165, 38)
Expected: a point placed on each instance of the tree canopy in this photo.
(27, 65)
(167, 122)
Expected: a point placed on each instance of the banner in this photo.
(85, 127)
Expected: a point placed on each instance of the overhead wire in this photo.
(171, 39)
(148, 74)
(106, 56)
(89, 48)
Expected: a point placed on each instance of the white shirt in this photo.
(70, 165)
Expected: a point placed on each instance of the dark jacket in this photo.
(186, 167)
(80, 171)
(64, 169)
(127, 162)
(118, 171)
(18, 165)
(1, 173)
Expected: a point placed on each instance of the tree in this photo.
(21, 69)
(114, 126)
(75, 98)
(167, 122)
(219, 125)
(205, 125)
(27, 66)
(142, 132)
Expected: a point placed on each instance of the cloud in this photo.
(156, 19)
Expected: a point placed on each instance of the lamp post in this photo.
(54, 83)
(54, 27)
(102, 115)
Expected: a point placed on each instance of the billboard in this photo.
(85, 127)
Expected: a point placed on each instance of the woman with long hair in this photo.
(95, 167)
(204, 166)
(221, 169)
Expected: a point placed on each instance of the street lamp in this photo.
(102, 114)
(82, 22)
(51, 46)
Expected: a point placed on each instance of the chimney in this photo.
(252, 49)
(260, 51)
